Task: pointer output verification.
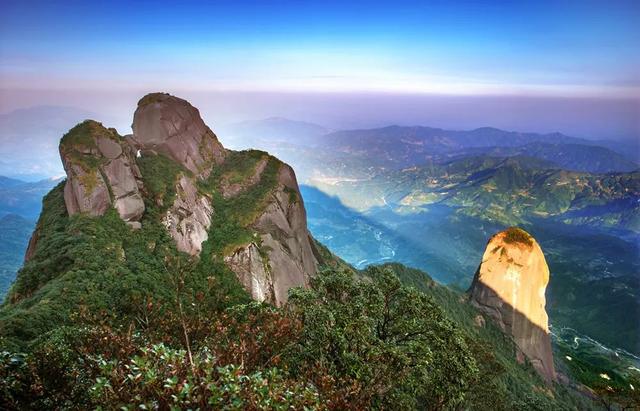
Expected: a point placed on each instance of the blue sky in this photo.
(565, 49)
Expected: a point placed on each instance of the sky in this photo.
(551, 53)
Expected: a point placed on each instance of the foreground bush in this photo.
(344, 343)
(164, 378)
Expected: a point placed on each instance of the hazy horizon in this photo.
(589, 118)
(541, 67)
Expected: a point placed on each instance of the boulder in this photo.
(171, 126)
(101, 172)
(509, 286)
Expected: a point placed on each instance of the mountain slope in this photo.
(567, 156)
(506, 190)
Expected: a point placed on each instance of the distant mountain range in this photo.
(29, 139)
(24, 198)
(20, 205)
(272, 130)
(397, 146)
(14, 236)
(38, 128)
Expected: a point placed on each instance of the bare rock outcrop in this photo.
(509, 286)
(287, 253)
(171, 126)
(189, 218)
(253, 271)
(101, 172)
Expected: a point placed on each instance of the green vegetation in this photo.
(83, 135)
(510, 191)
(392, 345)
(343, 343)
(515, 235)
(502, 382)
(230, 225)
(160, 175)
(81, 139)
(100, 266)
(151, 98)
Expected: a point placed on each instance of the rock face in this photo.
(288, 259)
(189, 217)
(101, 172)
(171, 126)
(509, 286)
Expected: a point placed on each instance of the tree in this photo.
(385, 344)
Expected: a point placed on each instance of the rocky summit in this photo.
(509, 286)
(102, 172)
(171, 126)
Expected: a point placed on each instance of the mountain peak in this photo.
(174, 174)
(101, 172)
(169, 125)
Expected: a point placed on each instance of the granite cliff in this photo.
(509, 286)
(272, 251)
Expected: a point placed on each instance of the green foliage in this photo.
(60, 368)
(342, 344)
(160, 175)
(515, 235)
(99, 266)
(389, 345)
(230, 225)
(83, 138)
(502, 383)
(51, 256)
(160, 377)
(82, 135)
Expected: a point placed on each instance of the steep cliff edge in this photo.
(509, 286)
